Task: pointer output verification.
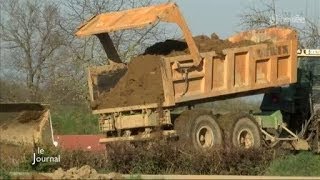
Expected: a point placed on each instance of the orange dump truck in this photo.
(269, 61)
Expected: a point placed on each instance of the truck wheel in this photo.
(198, 129)
(246, 133)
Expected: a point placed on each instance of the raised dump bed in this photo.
(165, 82)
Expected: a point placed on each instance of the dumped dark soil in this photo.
(204, 44)
(27, 116)
(142, 83)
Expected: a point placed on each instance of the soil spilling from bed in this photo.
(142, 82)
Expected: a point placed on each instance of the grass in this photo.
(134, 177)
(74, 120)
(301, 164)
(4, 174)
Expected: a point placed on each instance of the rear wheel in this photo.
(198, 129)
(246, 133)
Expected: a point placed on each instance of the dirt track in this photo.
(146, 176)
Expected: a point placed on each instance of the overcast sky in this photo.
(222, 16)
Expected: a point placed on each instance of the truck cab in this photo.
(298, 102)
(309, 71)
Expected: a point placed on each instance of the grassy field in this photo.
(301, 164)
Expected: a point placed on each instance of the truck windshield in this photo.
(310, 66)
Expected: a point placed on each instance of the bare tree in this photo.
(127, 42)
(268, 15)
(311, 34)
(255, 17)
(31, 38)
(41, 48)
(71, 80)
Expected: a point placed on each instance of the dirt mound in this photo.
(27, 116)
(142, 83)
(204, 44)
(84, 172)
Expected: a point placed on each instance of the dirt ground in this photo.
(142, 83)
(84, 172)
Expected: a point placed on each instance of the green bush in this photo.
(159, 158)
(42, 166)
(70, 159)
(74, 120)
(166, 158)
(4, 174)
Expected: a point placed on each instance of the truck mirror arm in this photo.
(109, 47)
(174, 15)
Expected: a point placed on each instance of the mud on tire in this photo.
(198, 129)
(246, 133)
(240, 130)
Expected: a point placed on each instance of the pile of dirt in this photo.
(27, 116)
(84, 172)
(204, 44)
(142, 83)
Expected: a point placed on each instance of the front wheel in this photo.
(198, 129)
(206, 133)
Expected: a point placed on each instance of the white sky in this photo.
(222, 16)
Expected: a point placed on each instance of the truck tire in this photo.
(246, 133)
(198, 129)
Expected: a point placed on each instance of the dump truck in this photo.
(268, 65)
(25, 125)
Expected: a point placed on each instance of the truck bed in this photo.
(269, 63)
